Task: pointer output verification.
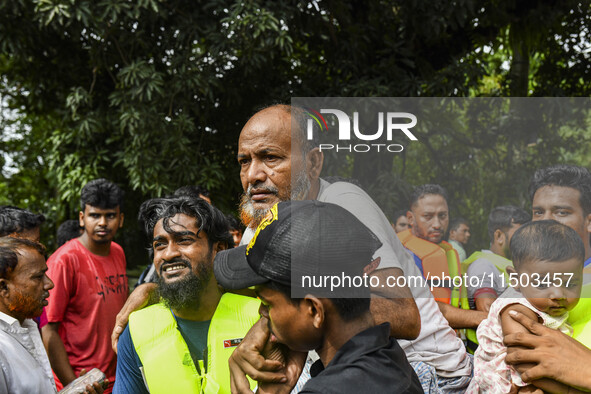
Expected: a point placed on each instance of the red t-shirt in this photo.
(89, 292)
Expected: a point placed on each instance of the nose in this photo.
(48, 283)
(170, 252)
(547, 215)
(557, 293)
(103, 221)
(264, 311)
(256, 172)
(436, 223)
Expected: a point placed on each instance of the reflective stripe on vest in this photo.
(437, 259)
(167, 363)
(501, 263)
(580, 316)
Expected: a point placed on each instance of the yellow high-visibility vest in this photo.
(167, 363)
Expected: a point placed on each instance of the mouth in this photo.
(170, 270)
(102, 233)
(44, 301)
(260, 195)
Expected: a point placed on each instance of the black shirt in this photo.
(370, 362)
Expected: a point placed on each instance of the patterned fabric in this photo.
(491, 374)
(434, 384)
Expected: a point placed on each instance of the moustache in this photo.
(258, 189)
(178, 260)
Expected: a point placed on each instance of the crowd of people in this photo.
(222, 311)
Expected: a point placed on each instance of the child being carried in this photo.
(546, 284)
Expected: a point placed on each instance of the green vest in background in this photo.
(501, 263)
(167, 363)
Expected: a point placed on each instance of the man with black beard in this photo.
(182, 344)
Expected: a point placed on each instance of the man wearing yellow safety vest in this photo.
(488, 266)
(563, 193)
(182, 344)
(436, 259)
(486, 269)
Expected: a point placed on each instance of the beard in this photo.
(185, 292)
(24, 306)
(252, 217)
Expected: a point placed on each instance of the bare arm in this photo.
(461, 318)
(484, 301)
(541, 352)
(58, 358)
(511, 326)
(143, 296)
(395, 305)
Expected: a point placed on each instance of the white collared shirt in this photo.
(24, 366)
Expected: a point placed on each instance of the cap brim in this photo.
(232, 271)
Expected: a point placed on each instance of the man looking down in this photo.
(355, 355)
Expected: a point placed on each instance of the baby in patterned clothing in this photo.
(545, 284)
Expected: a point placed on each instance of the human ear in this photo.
(411, 218)
(81, 218)
(499, 237)
(219, 246)
(121, 219)
(314, 161)
(314, 310)
(4, 288)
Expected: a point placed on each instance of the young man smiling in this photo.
(182, 344)
(296, 242)
(90, 288)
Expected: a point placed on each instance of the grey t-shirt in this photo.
(488, 275)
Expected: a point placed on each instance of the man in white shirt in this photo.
(24, 288)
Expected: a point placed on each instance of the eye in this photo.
(186, 240)
(158, 245)
(111, 216)
(561, 212)
(243, 162)
(538, 212)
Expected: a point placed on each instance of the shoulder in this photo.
(117, 251)
(481, 265)
(68, 253)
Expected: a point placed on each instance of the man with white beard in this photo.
(268, 156)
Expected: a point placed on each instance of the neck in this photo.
(339, 332)
(101, 249)
(4, 309)
(587, 250)
(496, 249)
(205, 308)
(314, 189)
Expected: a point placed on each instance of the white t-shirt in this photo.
(437, 344)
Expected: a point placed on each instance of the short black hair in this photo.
(195, 191)
(9, 252)
(578, 178)
(102, 194)
(503, 217)
(399, 213)
(348, 308)
(233, 223)
(68, 230)
(208, 218)
(455, 223)
(545, 240)
(16, 220)
(423, 190)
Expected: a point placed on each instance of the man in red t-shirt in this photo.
(90, 288)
